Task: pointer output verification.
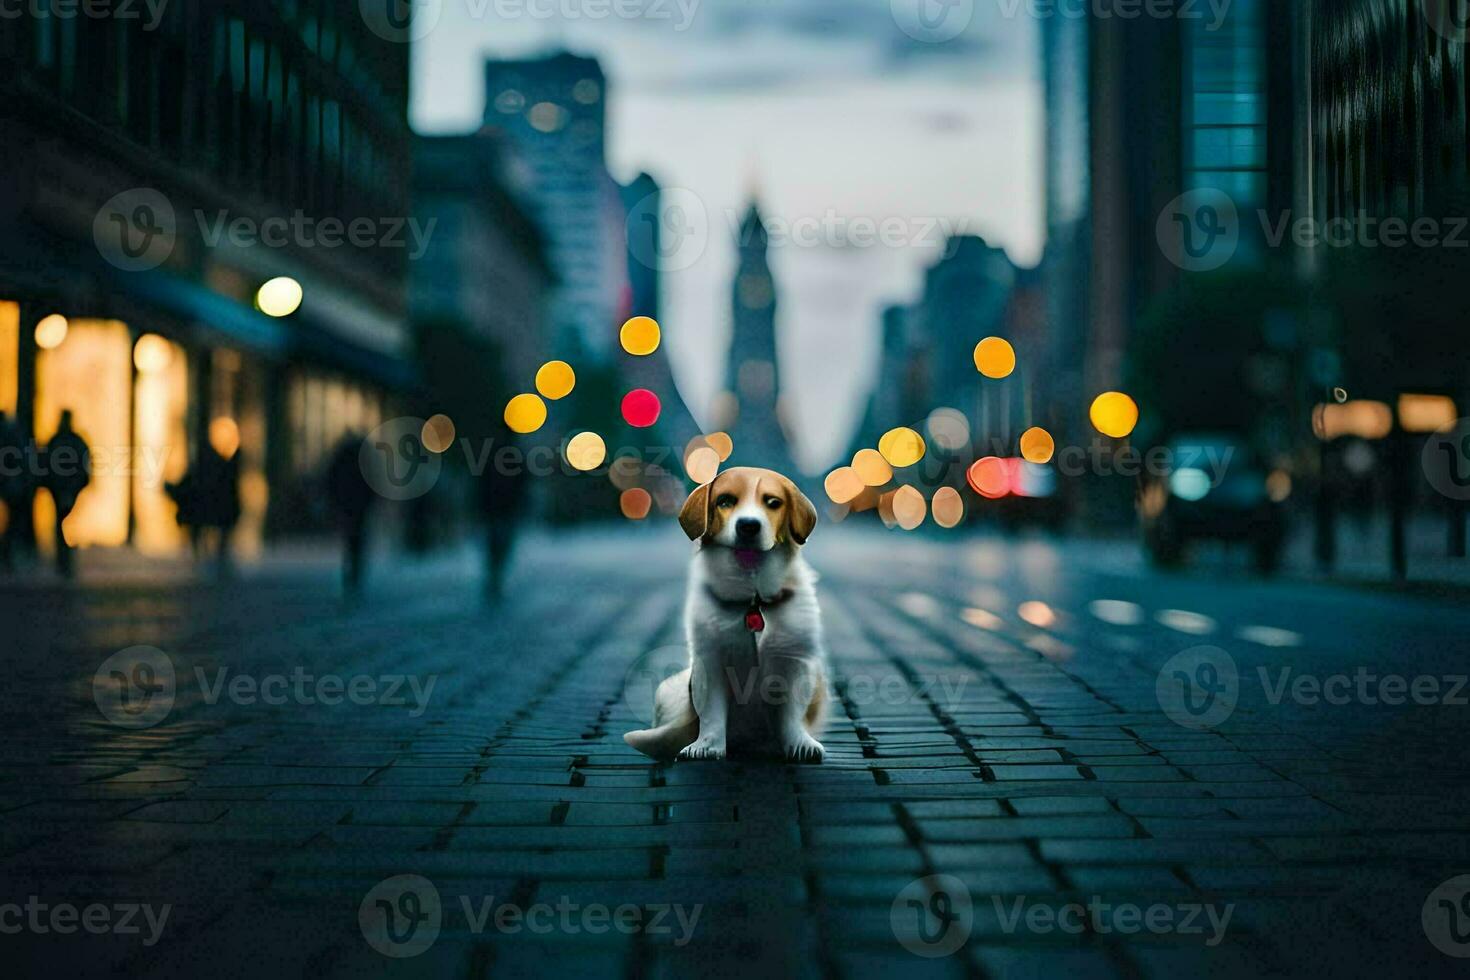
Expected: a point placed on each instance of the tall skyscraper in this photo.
(750, 407)
(553, 110)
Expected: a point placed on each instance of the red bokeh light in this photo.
(990, 477)
(641, 408)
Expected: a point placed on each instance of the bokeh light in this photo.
(224, 436)
(885, 509)
(51, 331)
(1038, 614)
(948, 428)
(635, 503)
(625, 472)
(948, 507)
(702, 465)
(438, 433)
(989, 477)
(982, 618)
(843, 485)
(721, 443)
(1113, 414)
(1037, 445)
(280, 296)
(909, 507)
(871, 467)
(555, 379)
(640, 408)
(994, 357)
(4, 517)
(586, 451)
(640, 335)
(152, 354)
(525, 413)
(901, 446)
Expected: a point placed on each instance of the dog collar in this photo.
(754, 607)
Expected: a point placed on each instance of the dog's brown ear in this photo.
(694, 517)
(803, 517)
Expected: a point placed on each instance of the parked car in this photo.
(1214, 488)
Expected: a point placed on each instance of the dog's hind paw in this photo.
(702, 749)
(805, 749)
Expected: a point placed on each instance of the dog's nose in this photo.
(747, 528)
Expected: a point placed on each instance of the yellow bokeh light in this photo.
(1426, 413)
(1113, 414)
(702, 465)
(909, 507)
(872, 468)
(901, 446)
(152, 354)
(51, 331)
(947, 506)
(280, 296)
(994, 357)
(640, 335)
(437, 434)
(555, 379)
(1038, 614)
(721, 443)
(843, 485)
(224, 436)
(586, 451)
(635, 503)
(1037, 445)
(525, 413)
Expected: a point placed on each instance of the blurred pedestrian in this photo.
(502, 496)
(208, 498)
(351, 499)
(15, 485)
(66, 472)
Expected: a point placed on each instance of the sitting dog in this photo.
(757, 677)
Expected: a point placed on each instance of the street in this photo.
(1029, 726)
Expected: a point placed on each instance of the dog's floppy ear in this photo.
(694, 517)
(803, 517)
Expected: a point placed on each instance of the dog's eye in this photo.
(725, 501)
(773, 502)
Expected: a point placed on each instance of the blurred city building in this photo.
(749, 407)
(553, 110)
(222, 120)
(899, 393)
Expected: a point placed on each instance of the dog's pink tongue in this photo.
(749, 558)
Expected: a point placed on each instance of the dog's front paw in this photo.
(704, 748)
(804, 748)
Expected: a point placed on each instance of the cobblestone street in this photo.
(1003, 723)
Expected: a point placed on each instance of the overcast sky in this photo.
(832, 111)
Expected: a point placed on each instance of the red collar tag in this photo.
(754, 621)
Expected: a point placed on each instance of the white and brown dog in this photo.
(757, 677)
